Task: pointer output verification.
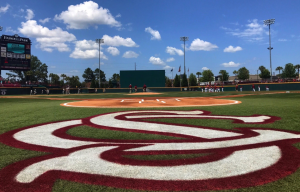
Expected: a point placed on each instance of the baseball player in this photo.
(206, 87)
(144, 88)
(78, 90)
(130, 87)
(135, 88)
(241, 88)
(253, 87)
(48, 91)
(267, 88)
(222, 88)
(63, 91)
(258, 88)
(42, 91)
(202, 89)
(31, 92)
(236, 87)
(34, 92)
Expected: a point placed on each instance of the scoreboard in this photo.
(15, 53)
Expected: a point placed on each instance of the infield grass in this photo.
(18, 113)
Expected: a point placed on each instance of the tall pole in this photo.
(184, 56)
(99, 41)
(257, 74)
(99, 67)
(184, 39)
(270, 22)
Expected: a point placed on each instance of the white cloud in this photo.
(87, 49)
(253, 31)
(167, 67)
(205, 68)
(118, 41)
(30, 14)
(230, 64)
(282, 39)
(119, 15)
(156, 61)
(170, 59)
(130, 54)
(9, 29)
(200, 45)
(22, 10)
(232, 49)
(86, 14)
(173, 51)
(47, 39)
(113, 51)
(155, 34)
(44, 20)
(4, 9)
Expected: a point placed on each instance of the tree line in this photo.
(39, 74)
(289, 71)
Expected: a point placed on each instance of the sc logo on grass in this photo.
(244, 157)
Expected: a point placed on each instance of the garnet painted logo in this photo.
(246, 157)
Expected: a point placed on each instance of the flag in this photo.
(172, 70)
(179, 69)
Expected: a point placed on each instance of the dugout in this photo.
(152, 78)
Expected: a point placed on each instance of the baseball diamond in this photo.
(205, 141)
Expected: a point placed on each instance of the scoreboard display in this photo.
(15, 53)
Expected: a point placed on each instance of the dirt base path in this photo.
(150, 102)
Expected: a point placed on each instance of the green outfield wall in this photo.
(152, 78)
(26, 90)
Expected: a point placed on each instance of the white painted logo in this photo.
(235, 153)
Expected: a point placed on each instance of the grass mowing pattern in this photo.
(90, 132)
(17, 113)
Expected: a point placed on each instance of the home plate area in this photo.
(150, 102)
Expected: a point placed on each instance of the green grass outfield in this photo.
(17, 113)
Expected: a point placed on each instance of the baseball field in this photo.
(169, 141)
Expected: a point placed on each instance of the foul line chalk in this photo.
(163, 102)
(157, 100)
(122, 100)
(177, 99)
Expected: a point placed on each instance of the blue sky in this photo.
(223, 35)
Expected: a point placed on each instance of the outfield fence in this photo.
(292, 86)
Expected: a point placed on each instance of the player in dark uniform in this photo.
(144, 88)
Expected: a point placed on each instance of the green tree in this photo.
(51, 76)
(289, 71)
(88, 75)
(278, 69)
(198, 74)
(74, 81)
(243, 73)
(261, 68)
(207, 75)
(184, 82)
(176, 82)
(63, 76)
(224, 75)
(297, 67)
(55, 78)
(102, 75)
(235, 72)
(168, 82)
(93, 85)
(265, 74)
(115, 77)
(38, 71)
(192, 80)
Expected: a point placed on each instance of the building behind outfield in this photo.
(152, 78)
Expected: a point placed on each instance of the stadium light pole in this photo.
(99, 41)
(184, 39)
(270, 22)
